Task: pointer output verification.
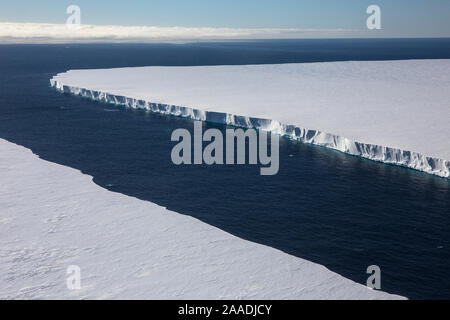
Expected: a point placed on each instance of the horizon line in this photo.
(30, 32)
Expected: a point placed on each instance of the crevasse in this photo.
(404, 158)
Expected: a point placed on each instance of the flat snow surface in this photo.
(53, 216)
(398, 104)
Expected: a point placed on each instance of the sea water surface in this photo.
(337, 210)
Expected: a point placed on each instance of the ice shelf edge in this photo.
(388, 155)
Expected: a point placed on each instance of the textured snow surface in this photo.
(53, 216)
(390, 111)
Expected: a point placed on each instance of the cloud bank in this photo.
(12, 32)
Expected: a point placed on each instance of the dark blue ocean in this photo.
(337, 210)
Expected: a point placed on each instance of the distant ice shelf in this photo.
(53, 217)
(395, 112)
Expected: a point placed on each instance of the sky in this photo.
(229, 18)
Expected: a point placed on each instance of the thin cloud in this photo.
(48, 33)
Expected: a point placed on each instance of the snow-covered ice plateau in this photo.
(395, 112)
(53, 216)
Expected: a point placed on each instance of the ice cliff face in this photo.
(383, 154)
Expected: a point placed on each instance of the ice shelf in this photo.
(395, 112)
(53, 216)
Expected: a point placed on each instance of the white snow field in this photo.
(53, 216)
(395, 112)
